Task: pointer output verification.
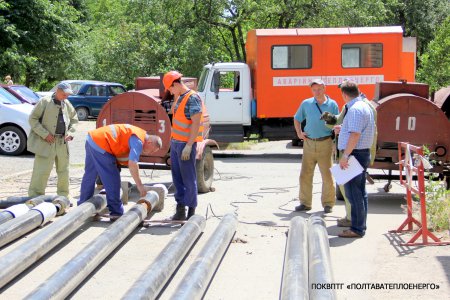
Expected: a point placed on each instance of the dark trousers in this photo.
(184, 175)
(103, 165)
(355, 190)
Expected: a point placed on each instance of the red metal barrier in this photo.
(406, 164)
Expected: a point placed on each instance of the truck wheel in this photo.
(339, 195)
(205, 171)
(82, 113)
(12, 141)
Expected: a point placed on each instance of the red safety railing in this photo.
(406, 164)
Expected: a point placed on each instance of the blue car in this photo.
(90, 96)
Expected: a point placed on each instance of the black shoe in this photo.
(302, 207)
(180, 214)
(328, 209)
(191, 212)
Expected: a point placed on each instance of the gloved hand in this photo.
(186, 153)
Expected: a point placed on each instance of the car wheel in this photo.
(82, 113)
(12, 141)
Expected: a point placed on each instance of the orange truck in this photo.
(262, 95)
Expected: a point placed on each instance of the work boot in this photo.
(191, 212)
(302, 207)
(180, 215)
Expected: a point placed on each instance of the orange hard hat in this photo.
(170, 77)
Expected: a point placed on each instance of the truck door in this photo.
(224, 97)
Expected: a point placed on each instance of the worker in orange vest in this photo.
(187, 130)
(107, 147)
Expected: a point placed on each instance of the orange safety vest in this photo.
(114, 139)
(181, 126)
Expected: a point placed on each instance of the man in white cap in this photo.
(52, 127)
(317, 147)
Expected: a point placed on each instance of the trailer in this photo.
(148, 107)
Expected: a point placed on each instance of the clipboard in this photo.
(343, 176)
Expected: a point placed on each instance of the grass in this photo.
(246, 145)
(438, 205)
(437, 199)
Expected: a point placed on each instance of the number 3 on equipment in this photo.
(162, 126)
(411, 123)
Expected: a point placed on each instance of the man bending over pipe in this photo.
(107, 147)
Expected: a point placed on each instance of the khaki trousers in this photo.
(59, 155)
(320, 153)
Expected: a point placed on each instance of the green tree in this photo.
(435, 62)
(37, 38)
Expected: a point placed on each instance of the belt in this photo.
(321, 138)
(59, 135)
(361, 150)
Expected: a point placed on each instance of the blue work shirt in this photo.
(315, 127)
(193, 105)
(134, 143)
(360, 119)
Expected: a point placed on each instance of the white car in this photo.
(14, 125)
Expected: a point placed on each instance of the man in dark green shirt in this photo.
(52, 126)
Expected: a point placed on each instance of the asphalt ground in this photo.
(260, 186)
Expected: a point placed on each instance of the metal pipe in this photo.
(16, 261)
(195, 282)
(295, 271)
(12, 212)
(13, 200)
(18, 210)
(320, 271)
(151, 282)
(5, 216)
(36, 201)
(62, 204)
(64, 281)
(34, 218)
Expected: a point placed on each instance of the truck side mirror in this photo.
(216, 83)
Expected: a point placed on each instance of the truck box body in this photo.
(284, 61)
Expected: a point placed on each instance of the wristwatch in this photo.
(345, 156)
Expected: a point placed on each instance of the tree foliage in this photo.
(44, 41)
(37, 38)
(435, 62)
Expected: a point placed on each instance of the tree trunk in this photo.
(235, 43)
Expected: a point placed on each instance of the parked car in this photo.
(23, 93)
(90, 96)
(14, 126)
(75, 84)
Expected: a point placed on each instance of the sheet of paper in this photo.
(343, 176)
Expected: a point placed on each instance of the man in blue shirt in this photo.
(317, 147)
(355, 138)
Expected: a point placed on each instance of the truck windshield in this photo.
(202, 81)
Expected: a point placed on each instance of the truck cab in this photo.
(227, 93)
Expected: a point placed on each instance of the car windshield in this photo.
(202, 81)
(26, 93)
(7, 98)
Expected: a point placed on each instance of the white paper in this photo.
(343, 176)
